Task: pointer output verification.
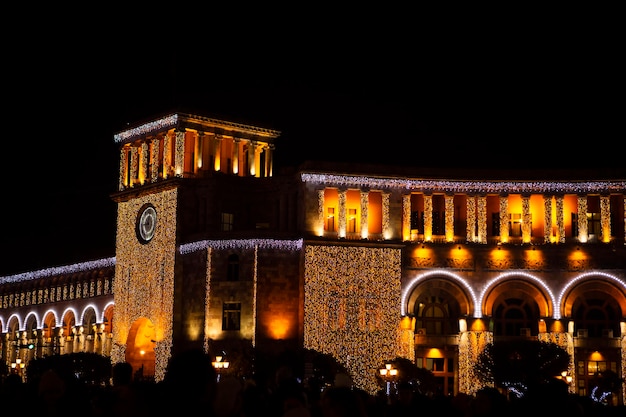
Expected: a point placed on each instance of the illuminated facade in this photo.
(215, 249)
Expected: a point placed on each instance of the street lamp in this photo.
(219, 364)
(388, 373)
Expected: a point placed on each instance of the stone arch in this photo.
(90, 320)
(517, 286)
(440, 294)
(514, 304)
(597, 284)
(140, 348)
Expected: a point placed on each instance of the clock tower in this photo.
(168, 170)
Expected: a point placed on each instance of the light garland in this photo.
(504, 219)
(605, 218)
(351, 307)
(526, 219)
(547, 218)
(428, 217)
(583, 233)
(471, 218)
(59, 270)
(471, 345)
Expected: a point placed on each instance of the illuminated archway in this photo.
(140, 348)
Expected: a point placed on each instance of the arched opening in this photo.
(140, 348)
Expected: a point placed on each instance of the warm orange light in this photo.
(279, 328)
(434, 353)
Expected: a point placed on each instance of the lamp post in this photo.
(388, 373)
(220, 364)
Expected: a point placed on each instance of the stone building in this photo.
(214, 249)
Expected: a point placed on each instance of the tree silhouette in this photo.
(523, 364)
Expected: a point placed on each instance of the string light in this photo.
(351, 307)
(468, 187)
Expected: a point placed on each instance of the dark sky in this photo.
(463, 91)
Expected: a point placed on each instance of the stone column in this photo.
(385, 226)
(179, 157)
(547, 218)
(123, 179)
(504, 218)
(342, 213)
(217, 152)
(364, 201)
(269, 160)
(154, 160)
(134, 164)
(449, 225)
(256, 167)
(482, 218)
(236, 145)
(605, 218)
(143, 163)
(428, 217)
(406, 217)
(583, 227)
(559, 219)
(321, 218)
(526, 219)
(197, 153)
(470, 207)
(167, 155)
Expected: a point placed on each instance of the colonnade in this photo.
(342, 206)
(182, 152)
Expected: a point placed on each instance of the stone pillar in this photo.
(547, 221)
(143, 163)
(134, 165)
(364, 207)
(559, 220)
(342, 213)
(217, 152)
(449, 225)
(428, 217)
(526, 219)
(504, 218)
(250, 158)
(167, 155)
(605, 218)
(236, 145)
(179, 156)
(154, 160)
(123, 179)
(387, 233)
(256, 167)
(482, 218)
(321, 218)
(197, 154)
(583, 227)
(269, 160)
(406, 217)
(470, 207)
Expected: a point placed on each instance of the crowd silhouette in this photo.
(191, 385)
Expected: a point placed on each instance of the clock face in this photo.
(146, 223)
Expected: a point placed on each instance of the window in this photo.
(351, 220)
(330, 219)
(593, 224)
(227, 222)
(515, 224)
(232, 273)
(231, 316)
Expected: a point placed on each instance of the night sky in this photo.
(468, 94)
